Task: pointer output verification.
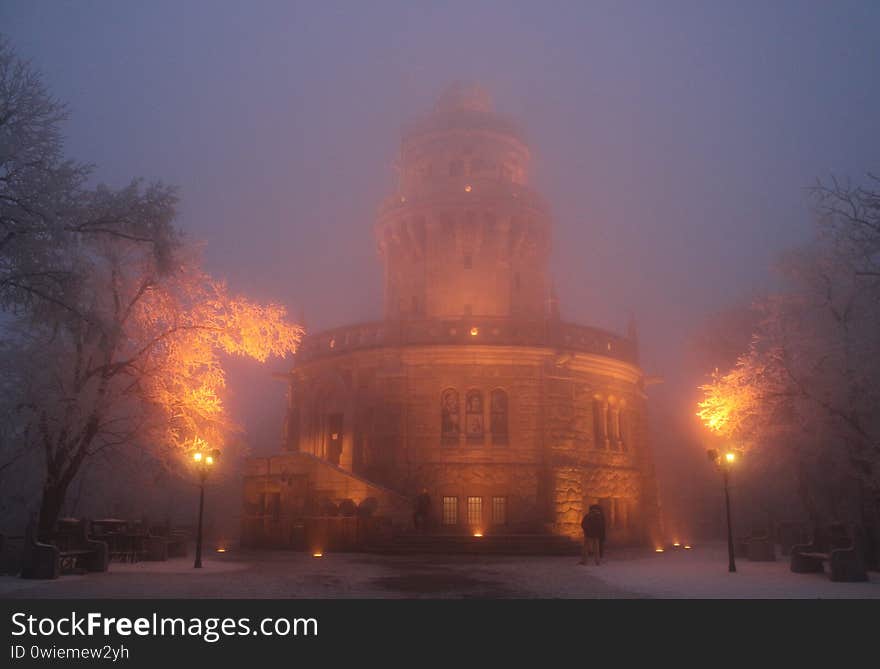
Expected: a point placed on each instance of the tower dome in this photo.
(464, 97)
(464, 235)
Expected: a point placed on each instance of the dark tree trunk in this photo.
(50, 507)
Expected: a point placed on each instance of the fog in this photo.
(673, 141)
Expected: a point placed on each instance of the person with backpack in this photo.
(593, 525)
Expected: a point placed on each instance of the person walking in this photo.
(593, 525)
(422, 511)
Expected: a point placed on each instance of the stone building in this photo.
(471, 387)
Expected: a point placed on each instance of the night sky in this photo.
(673, 140)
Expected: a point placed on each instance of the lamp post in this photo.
(204, 461)
(724, 463)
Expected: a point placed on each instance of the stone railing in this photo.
(470, 330)
(485, 193)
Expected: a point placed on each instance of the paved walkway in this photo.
(701, 572)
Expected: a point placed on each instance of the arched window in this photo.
(498, 416)
(449, 421)
(600, 423)
(474, 416)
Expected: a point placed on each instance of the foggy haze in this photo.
(673, 141)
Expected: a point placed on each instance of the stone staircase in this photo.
(494, 544)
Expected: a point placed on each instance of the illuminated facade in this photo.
(471, 387)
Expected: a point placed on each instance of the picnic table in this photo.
(126, 539)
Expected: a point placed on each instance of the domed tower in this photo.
(464, 235)
(471, 389)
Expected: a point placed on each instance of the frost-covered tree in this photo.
(112, 334)
(809, 383)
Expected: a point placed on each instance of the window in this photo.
(333, 437)
(468, 261)
(475, 511)
(498, 416)
(474, 416)
(272, 505)
(622, 432)
(600, 423)
(516, 280)
(415, 304)
(499, 511)
(456, 168)
(450, 511)
(614, 427)
(449, 420)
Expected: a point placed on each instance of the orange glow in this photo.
(475, 331)
(317, 554)
(198, 320)
(478, 534)
(687, 547)
(221, 550)
(730, 400)
(209, 460)
(676, 545)
(658, 550)
(730, 456)
(468, 189)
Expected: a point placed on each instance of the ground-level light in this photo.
(478, 534)
(318, 554)
(658, 550)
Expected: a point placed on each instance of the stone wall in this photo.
(555, 462)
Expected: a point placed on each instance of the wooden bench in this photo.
(833, 546)
(166, 542)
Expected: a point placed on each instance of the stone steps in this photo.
(496, 544)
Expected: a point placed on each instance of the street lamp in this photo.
(725, 462)
(204, 460)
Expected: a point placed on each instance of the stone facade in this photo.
(472, 387)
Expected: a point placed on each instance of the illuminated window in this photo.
(450, 510)
(450, 426)
(474, 416)
(499, 511)
(498, 416)
(613, 427)
(475, 511)
(600, 423)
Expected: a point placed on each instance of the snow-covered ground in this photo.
(698, 573)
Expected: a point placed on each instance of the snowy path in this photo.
(698, 573)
